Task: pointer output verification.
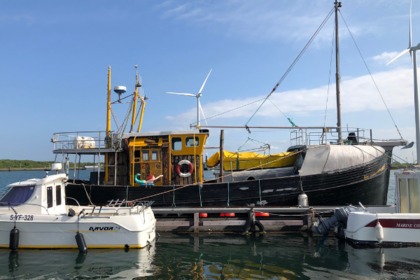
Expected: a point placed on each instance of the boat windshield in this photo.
(17, 195)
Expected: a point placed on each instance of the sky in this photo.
(55, 56)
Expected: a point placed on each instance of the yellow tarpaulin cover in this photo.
(251, 160)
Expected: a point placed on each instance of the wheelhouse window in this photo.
(58, 194)
(192, 142)
(136, 153)
(155, 155)
(145, 155)
(17, 195)
(49, 197)
(176, 144)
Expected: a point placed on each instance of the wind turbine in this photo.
(197, 96)
(412, 50)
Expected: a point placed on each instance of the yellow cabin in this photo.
(160, 158)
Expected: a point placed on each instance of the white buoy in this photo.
(303, 200)
(379, 230)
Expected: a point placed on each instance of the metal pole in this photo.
(337, 73)
(416, 101)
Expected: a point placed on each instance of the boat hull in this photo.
(366, 183)
(59, 231)
(383, 229)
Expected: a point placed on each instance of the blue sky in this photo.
(55, 56)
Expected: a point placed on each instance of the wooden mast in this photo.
(337, 73)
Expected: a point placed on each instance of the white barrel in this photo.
(303, 200)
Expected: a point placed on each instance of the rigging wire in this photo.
(371, 76)
(288, 118)
(264, 146)
(291, 66)
(329, 78)
(234, 109)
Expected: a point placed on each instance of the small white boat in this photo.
(382, 226)
(34, 214)
(399, 226)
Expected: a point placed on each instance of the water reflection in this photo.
(278, 256)
(219, 256)
(64, 264)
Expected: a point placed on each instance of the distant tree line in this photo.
(8, 164)
(399, 165)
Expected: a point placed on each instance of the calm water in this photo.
(214, 256)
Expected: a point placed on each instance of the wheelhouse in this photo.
(149, 158)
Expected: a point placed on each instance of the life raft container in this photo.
(184, 168)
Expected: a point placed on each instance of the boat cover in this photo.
(248, 160)
(327, 158)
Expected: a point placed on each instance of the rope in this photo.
(173, 196)
(228, 200)
(329, 80)
(87, 195)
(370, 74)
(199, 193)
(292, 65)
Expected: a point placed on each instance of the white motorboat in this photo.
(390, 226)
(34, 214)
(382, 226)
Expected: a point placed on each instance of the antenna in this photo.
(120, 90)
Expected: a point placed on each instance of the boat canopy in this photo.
(250, 160)
(326, 158)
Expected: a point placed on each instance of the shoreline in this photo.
(24, 169)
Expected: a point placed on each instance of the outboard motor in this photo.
(339, 217)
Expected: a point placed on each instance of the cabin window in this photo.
(49, 197)
(176, 144)
(58, 194)
(145, 155)
(17, 195)
(154, 155)
(190, 142)
(136, 153)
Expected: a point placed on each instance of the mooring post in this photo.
(309, 219)
(196, 222)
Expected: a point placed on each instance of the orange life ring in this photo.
(182, 171)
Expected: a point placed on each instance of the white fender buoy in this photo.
(379, 230)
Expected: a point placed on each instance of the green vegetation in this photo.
(399, 165)
(10, 164)
(6, 164)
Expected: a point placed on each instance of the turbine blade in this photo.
(181, 93)
(410, 38)
(204, 83)
(399, 55)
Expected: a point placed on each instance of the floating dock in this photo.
(245, 220)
